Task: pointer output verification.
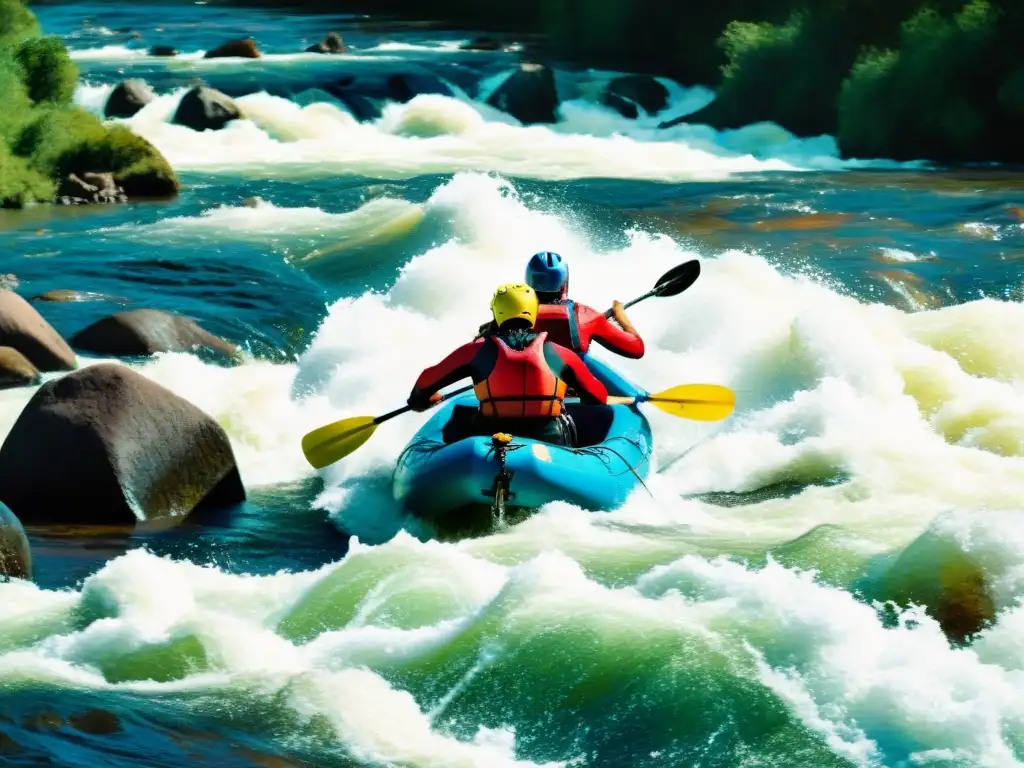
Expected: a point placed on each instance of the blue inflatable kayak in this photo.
(437, 480)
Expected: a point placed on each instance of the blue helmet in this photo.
(547, 272)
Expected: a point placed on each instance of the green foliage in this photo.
(938, 96)
(50, 75)
(16, 22)
(43, 138)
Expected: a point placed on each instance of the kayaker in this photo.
(570, 323)
(519, 377)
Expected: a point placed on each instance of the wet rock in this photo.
(145, 332)
(106, 446)
(407, 86)
(631, 93)
(23, 328)
(62, 295)
(15, 555)
(163, 50)
(98, 722)
(242, 49)
(90, 189)
(46, 720)
(203, 109)
(481, 44)
(128, 98)
(332, 43)
(529, 95)
(16, 370)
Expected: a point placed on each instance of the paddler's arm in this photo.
(571, 369)
(457, 366)
(624, 341)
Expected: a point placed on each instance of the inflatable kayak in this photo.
(434, 479)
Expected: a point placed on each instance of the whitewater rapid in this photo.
(312, 134)
(872, 450)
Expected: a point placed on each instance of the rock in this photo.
(106, 446)
(62, 295)
(631, 93)
(481, 44)
(529, 95)
(15, 554)
(254, 202)
(204, 109)
(23, 328)
(145, 332)
(16, 370)
(332, 43)
(89, 188)
(128, 98)
(407, 86)
(241, 49)
(163, 50)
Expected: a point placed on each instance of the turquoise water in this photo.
(868, 316)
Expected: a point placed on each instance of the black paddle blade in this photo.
(678, 279)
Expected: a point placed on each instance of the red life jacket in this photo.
(561, 322)
(521, 384)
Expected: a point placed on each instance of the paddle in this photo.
(700, 402)
(672, 283)
(333, 442)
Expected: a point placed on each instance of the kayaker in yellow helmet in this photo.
(520, 378)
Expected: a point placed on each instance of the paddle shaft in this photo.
(628, 304)
(406, 408)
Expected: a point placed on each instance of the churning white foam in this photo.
(441, 134)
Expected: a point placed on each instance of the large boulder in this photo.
(240, 49)
(138, 332)
(15, 555)
(23, 328)
(128, 98)
(106, 446)
(203, 109)
(631, 93)
(16, 370)
(529, 95)
(332, 43)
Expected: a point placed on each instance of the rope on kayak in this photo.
(598, 451)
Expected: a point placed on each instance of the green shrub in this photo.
(16, 22)
(50, 75)
(936, 97)
(16, 108)
(20, 184)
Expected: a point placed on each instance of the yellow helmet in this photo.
(514, 300)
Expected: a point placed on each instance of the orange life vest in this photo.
(521, 384)
(562, 324)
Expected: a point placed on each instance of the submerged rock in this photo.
(629, 94)
(16, 370)
(128, 98)
(163, 50)
(145, 332)
(106, 446)
(64, 295)
(24, 329)
(244, 49)
(15, 554)
(407, 86)
(529, 95)
(203, 109)
(90, 188)
(332, 43)
(481, 44)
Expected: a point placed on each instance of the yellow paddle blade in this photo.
(700, 402)
(334, 442)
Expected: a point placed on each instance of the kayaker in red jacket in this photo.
(519, 377)
(570, 323)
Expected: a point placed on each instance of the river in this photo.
(868, 315)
